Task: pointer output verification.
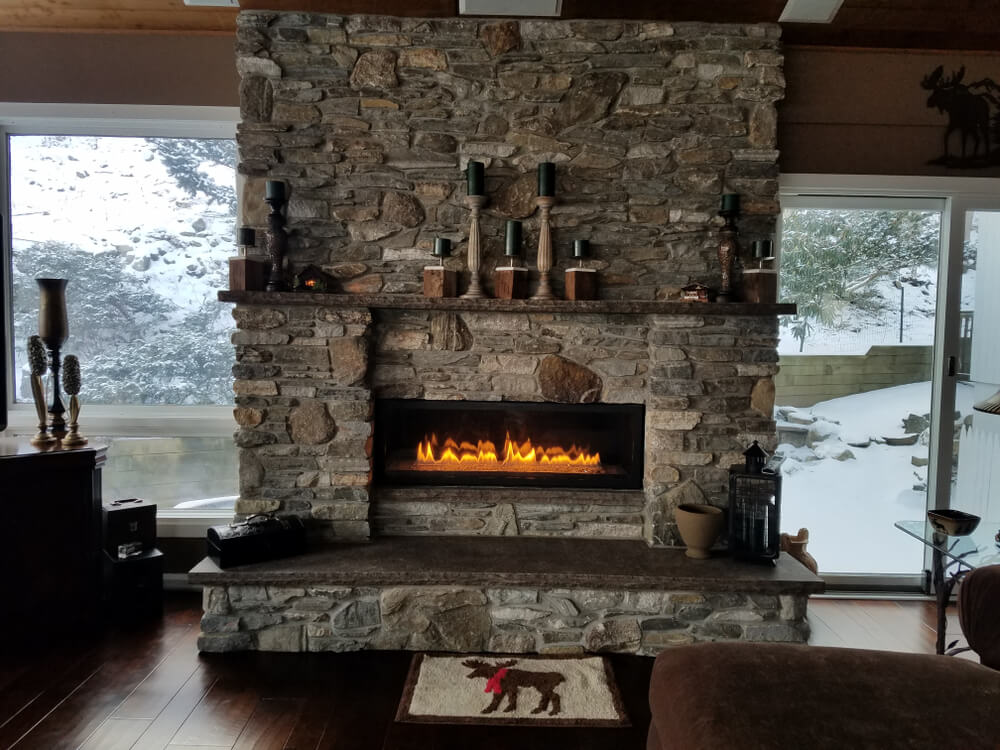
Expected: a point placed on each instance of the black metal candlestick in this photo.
(53, 329)
(276, 240)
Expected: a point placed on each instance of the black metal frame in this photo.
(627, 421)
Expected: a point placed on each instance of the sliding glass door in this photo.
(881, 366)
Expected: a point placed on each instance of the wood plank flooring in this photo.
(147, 688)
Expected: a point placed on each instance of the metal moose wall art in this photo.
(973, 111)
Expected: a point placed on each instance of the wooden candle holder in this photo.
(440, 282)
(510, 282)
(545, 204)
(247, 274)
(760, 285)
(581, 283)
(475, 204)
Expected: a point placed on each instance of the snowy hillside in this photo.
(143, 315)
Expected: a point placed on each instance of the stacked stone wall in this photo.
(370, 121)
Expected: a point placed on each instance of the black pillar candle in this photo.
(442, 247)
(274, 190)
(763, 249)
(246, 237)
(512, 248)
(475, 175)
(730, 202)
(581, 248)
(547, 178)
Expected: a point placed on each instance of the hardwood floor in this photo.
(148, 689)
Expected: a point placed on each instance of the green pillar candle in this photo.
(581, 248)
(476, 177)
(731, 202)
(547, 178)
(512, 247)
(274, 190)
(442, 247)
(246, 237)
(763, 249)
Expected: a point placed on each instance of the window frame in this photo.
(110, 120)
(954, 196)
(127, 420)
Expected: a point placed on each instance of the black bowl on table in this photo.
(952, 522)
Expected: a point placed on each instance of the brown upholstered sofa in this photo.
(750, 696)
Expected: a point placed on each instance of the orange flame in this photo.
(483, 456)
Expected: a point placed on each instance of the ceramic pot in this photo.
(699, 526)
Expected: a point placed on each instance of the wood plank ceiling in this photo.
(913, 24)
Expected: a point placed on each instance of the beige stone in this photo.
(348, 360)
(517, 199)
(423, 57)
(500, 37)
(375, 70)
(311, 424)
(402, 208)
(622, 634)
(247, 417)
(762, 397)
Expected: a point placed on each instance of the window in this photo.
(881, 366)
(138, 213)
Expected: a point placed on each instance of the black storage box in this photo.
(128, 522)
(258, 538)
(133, 586)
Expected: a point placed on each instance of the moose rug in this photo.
(526, 690)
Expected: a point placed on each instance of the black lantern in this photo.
(754, 508)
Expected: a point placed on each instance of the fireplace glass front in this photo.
(508, 444)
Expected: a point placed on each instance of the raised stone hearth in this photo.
(500, 595)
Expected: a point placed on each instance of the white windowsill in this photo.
(189, 524)
(135, 421)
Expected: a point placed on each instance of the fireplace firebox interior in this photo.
(508, 444)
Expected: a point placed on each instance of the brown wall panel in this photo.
(118, 69)
(865, 112)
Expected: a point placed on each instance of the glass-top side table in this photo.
(953, 557)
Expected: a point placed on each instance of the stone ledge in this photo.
(516, 562)
(517, 495)
(413, 302)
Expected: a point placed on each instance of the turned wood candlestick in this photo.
(544, 203)
(475, 290)
(728, 249)
(276, 243)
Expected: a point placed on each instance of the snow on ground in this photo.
(852, 331)
(850, 505)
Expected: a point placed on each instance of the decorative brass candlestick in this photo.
(475, 290)
(544, 203)
(728, 249)
(276, 240)
(53, 329)
(71, 379)
(38, 360)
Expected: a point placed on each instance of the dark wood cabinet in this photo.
(50, 538)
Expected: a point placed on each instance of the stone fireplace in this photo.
(370, 121)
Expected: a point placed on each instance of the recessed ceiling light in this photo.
(810, 11)
(510, 8)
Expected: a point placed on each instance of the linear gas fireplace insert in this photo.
(508, 444)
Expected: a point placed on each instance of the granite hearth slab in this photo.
(457, 304)
(516, 562)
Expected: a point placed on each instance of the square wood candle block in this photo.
(760, 285)
(581, 283)
(510, 282)
(247, 274)
(440, 282)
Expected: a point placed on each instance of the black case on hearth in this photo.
(258, 538)
(126, 522)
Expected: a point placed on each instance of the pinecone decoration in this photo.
(37, 357)
(71, 375)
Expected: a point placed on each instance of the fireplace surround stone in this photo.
(370, 121)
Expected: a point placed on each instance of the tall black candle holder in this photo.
(728, 250)
(276, 239)
(53, 329)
